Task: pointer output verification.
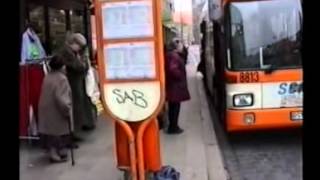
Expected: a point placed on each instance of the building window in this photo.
(57, 28)
(77, 21)
(36, 18)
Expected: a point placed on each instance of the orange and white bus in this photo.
(256, 72)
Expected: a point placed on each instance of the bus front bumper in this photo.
(263, 119)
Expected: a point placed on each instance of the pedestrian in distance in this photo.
(184, 53)
(176, 84)
(55, 111)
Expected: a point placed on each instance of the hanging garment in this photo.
(31, 77)
(31, 46)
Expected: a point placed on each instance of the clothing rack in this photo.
(41, 61)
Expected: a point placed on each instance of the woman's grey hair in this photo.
(174, 44)
(76, 38)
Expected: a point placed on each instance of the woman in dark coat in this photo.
(176, 85)
(77, 68)
(55, 111)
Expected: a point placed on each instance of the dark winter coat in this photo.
(76, 72)
(176, 78)
(55, 105)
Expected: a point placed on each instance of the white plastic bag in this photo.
(92, 89)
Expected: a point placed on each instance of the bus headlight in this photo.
(242, 100)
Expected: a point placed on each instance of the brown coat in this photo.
(55, 105)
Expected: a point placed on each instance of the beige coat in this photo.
(55, 105)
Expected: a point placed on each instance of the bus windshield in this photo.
(265, 33)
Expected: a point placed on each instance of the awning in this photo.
(167, 20)
(61, 4)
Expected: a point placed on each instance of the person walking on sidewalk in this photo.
(77, 68)
(55, 111)
(176, 84)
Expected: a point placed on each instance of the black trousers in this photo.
(174, 110)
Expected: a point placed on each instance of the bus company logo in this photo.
(290, 88)
(291, 94)
(291, 100)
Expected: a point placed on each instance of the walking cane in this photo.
(71, 143)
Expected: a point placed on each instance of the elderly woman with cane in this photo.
(55, 111)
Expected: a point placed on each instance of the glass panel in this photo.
(127, 19)
(274, 26)
(57, 28)
(37, 19)
(130, 61)
(77, 24)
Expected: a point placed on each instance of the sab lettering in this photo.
(290, 88)
(136, 97)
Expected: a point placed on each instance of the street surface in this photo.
(195, 153)
(203, 152)
(269, 155)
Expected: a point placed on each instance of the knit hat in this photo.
(77, 38)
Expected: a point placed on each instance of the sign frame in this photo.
(157, 40)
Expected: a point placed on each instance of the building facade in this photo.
(169, 27)
(54, 19)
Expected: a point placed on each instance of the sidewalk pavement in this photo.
(195, 153)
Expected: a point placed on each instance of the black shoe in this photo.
(88, 128)
(63, 154)
(54, 157)
(64, 158)
(175, 130)
(77, 139)
(73, 146)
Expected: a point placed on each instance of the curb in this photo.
(215, 165)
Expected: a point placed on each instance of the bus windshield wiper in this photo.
(268, 68)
